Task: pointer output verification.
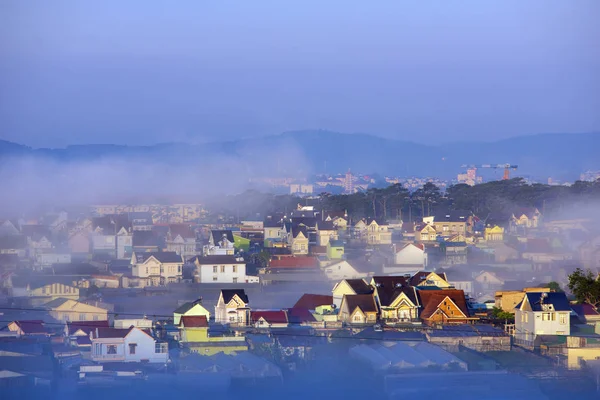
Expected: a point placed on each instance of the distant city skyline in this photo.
(142, 73)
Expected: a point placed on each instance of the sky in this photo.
(144, 72)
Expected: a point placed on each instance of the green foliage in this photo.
(501, 315)
(553, 286)
(585, 287)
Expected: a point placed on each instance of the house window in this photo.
(215, 278)
(95, 318)
(111, 349)
(356, 318)
(548, 317)
(234, 269)
(235, 280)
(563, 319)
(222, 269)
(526, 317)
(82, 317)
(179, 269)
(215, 269)
(132, 347)
(160, 348)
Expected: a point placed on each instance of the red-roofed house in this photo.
(269, 319)
(29, 328)
(586, 313)
(442, 307)
(294, 264)
(126, 345)
(78, 332)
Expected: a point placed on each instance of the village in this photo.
(150, 294)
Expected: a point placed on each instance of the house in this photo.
(269, 319)
(488, 281)
(157, 268)
(127, 345)
(198, 336)
(39, 290)
(312, 301)
(453, 222)
(493, 233)
(586, 313)
(111, 235)
(219, 269)
(181, 239)
(443, 307)
(341, 270)
(335, 249)
(141, 220)
(273, 231)
(13, 244)
(298, 239)
(411, 254)
(425, 278)
(525, 218)
(358, 309)
(45, 258)
(221, 242)
(28, 328)
(232, 307)
(326, 232)
(294, 264)
(70, 310)
(425, 233)
(39, 238)
(350, 287)
(338, 218)
(397, 300)
(545, 313)
(373, 231)
(454, 252)
(507, 300)
(190, 309)
(9, 227)
(77, 333)
(79, 242)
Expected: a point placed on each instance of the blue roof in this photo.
(558, 300)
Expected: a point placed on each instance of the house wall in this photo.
(410, 255)
(78, 312)
(47, 259)
(299, 245)
(466, 286)
(55, 290)
(341, 270)
(229, 273)
(145, 349)
(575, 356)
(450, 228)
(334, 253)
(528, 324)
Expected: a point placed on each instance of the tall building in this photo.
(349, 183)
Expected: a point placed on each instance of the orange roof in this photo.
(431, 299)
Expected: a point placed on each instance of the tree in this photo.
(553, 286)
(585, 287)
(502, 315)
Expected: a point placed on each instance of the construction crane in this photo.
(506, 167)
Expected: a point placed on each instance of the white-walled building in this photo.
(219, 269)
(126, 345)
(542, 313)
(157, 268)
(411, 254)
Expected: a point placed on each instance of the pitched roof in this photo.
(359, 286)
(452, 216)
(31, 327)
(111, 332)
(272, 317)
(183, 230)
(558, 300)
(299, 315)
(294, 262)
(366, 302)
(194, 321)
(85, 326)
(298, 229)
(182, 309)
(161, 256)
(312, 301)
(390, 287)
(419, 277)
(584, 310)
(431, 299)
(215, 259)
(229, 293)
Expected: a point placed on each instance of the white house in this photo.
(46, 258)
(220, 242)
(157, 268)
(411, 254)
(126, 345)
(541, 313)
(232, 307)
(181, 239)
(219, 269)
(341, 270)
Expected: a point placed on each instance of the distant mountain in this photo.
(562, 156)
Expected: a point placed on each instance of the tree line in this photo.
(497, 198)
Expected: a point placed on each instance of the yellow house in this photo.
(425, 233)
(424, 278)
(335, 249)
(299, 240)
(40, 291)
(358, 309)
(493, 233)
(70, 310)
(349, 287)
(196, 337)
(191, 309)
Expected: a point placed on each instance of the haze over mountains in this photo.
(298, 153)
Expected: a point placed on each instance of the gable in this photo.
(343, 288)
(450, 309)
(402, 299)
(357, 310)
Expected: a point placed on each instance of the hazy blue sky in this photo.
(156, 71)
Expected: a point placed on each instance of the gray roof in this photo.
(161, 256)
(186, 307)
